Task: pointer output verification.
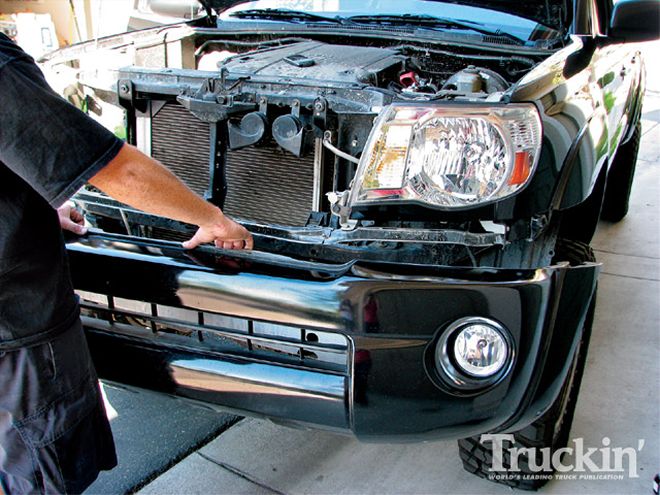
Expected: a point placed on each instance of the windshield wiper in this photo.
(283, 15)
(431, 22)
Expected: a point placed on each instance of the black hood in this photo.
(552, 13)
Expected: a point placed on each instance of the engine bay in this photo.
(403, 70)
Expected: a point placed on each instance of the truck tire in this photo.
(552, 429)
(620, 179)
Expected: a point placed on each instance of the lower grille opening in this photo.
(212, 332)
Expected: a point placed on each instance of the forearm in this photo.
(141, 182)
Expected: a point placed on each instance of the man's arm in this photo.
(65, 148)
(143, 183)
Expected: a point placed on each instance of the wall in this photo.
(95, 17)
(59, 11)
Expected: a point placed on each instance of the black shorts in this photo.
(54, 433)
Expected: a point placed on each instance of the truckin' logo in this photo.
(582, 462)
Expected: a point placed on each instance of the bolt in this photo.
(319, 106)
(354, 143)
(124, 88)
(296, 103)
(262, 100)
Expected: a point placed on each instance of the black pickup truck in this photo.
(422, 180)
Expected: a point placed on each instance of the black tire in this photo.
(620, 179)
(553, 427)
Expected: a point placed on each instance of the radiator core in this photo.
(264, 184)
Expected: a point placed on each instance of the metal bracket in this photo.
(212, 102)
(339, 207)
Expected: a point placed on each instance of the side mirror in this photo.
(635, 20)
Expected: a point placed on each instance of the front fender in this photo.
(634, 106)
(575, 128)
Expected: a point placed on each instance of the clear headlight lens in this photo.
(448, 156)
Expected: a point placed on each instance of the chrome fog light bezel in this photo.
(447, 363)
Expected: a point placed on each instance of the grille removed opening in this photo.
(264, 184)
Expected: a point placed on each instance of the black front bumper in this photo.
(352, 346)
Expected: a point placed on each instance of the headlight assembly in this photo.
(448, 156)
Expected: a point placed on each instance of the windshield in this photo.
(524, 29)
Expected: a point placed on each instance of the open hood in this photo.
(552, 13)
(218, 6)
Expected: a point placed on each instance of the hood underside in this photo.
(552, 13)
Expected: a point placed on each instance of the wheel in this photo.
(552, 429)
(620, 179)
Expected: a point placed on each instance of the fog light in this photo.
(473, 353)
(480, 350)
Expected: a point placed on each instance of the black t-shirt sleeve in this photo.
(46, 141)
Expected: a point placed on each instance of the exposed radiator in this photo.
(182, 143)
(265, 184)
(269, 185)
